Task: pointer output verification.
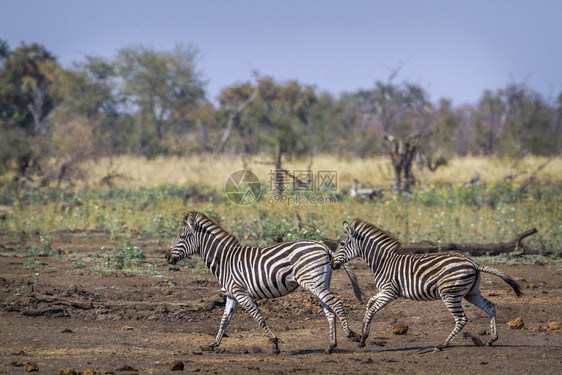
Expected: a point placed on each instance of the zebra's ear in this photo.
(189, 221)
(346, 227)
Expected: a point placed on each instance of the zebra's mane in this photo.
(209, 226)
(365, 228)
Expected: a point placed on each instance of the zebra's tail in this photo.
(354, 283)
(512, 283)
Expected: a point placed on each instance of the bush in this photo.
(124, 254)
(44, 249)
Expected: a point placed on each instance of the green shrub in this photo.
(124, 254)
(44, 248)
(79, 265)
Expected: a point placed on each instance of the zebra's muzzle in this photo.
(170, 257)
(336, 265)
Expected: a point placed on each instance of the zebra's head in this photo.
(185, 244)
(348, 247)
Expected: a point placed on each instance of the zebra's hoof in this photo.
(361, 344)
(328, 351)
(275, 351)
(355, 337)
(208, 348)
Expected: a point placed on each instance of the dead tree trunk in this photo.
(279, 173)
(204, 135)
(402, 155)
(36, 108)
(409, 178)
(473, 249)
(533, 177)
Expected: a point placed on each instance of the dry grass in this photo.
(136, 172)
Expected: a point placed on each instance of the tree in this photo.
(267, 115)
(28, 96)
(90, 96)
(332, 125)
(527, 123)
(234, 100)
(159, 86)
(402, 116)
(25, 80)
(489, 120)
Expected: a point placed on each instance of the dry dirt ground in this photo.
(60, 316)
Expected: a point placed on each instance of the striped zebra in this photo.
(247, 274)
(448, 276)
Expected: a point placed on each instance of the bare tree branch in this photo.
(232, 117)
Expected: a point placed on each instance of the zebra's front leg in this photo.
(227, 315)
(377, 302)
(251, 306)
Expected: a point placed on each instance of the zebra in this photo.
(247, 274)
(448, 276)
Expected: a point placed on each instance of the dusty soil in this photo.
(58, 316)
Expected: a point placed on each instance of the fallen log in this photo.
(208, 304)
(474, 249)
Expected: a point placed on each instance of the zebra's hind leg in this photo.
(455, 308)
(477, 300)
(331, 316)
(331, 302)
(228, 311)
(251, 306)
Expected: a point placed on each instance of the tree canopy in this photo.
(150, 102)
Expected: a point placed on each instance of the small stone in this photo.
(176, 366)
(89, 371)
(400, 328)
(67, 371)
(30, 367)
(516, 323)
(127, 328)
(554, 326)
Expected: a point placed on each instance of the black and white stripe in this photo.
(448, 276)
(247, 274)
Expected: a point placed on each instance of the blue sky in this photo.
(453, 49)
